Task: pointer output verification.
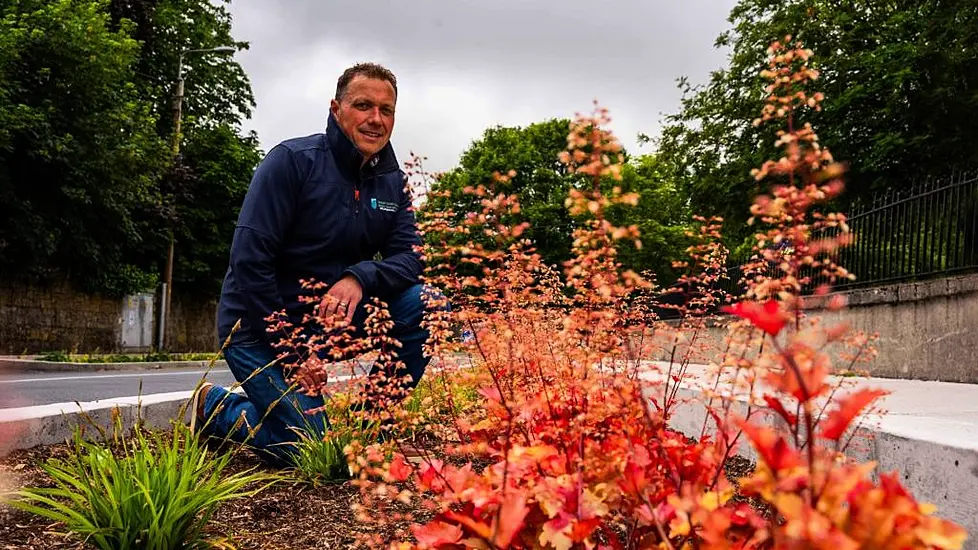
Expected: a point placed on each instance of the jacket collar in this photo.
(350, 159)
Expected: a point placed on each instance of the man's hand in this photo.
(342, 299)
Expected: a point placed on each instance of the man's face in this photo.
(366, 113)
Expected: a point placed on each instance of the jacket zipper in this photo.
(356, 194)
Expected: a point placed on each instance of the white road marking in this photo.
(90, 376)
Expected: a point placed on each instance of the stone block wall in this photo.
(39, 318)
(192, 325)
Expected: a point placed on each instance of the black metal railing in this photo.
(926, 231)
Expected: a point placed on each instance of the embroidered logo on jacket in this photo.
(383, 206)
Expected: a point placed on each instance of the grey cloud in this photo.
(538, 59)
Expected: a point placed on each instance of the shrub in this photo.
(575, 420)
(55, 356)
(154, 492)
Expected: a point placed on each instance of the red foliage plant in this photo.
(572, 444)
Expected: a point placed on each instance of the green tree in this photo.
(901, 86)
(542, 183)
(88, 184)
(203, 189)
(217, 88)
(220, 162)
(79, 150)
(662, 216)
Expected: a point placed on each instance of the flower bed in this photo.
(286, 516)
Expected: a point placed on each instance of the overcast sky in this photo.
(464, 65)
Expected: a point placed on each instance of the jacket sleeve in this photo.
(401, 265)
(266, 214)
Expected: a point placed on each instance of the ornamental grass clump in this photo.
(147, 490)
(573, 441)
(321, 459)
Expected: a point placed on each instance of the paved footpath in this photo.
(941, 412)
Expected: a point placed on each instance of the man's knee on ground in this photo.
(408, 309)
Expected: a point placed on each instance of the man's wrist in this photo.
(350, 273)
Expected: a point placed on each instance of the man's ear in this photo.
(334, 106)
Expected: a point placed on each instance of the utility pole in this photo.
(167, 288)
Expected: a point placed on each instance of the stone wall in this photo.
(192, 325)
(46, 318)
(926, 330)
(36, 319)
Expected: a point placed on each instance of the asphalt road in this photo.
(29, 389)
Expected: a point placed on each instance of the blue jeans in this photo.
(243, 418)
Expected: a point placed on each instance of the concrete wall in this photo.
(36, 319)
(926, 330)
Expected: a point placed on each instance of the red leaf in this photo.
(813, 373)
(583, 529)
(511, 514)
(491, 393)
(400, 470)
(429, 476)
(633, 481)
(436, 533)
(477, 527)
(778, 407)
(772, 448)
(767, 317)
(838, 421)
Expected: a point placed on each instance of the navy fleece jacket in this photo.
(312, 212)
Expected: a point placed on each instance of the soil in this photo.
(284, 516)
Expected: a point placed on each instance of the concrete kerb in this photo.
(54, 424)
(11, 365)
(934, 451)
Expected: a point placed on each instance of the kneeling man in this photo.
(318, 208)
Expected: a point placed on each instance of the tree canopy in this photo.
(85, 134)
(901, 85)
(542, 183)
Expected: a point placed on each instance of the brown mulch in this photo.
(284, 516)
(737, 468)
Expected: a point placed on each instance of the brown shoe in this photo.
(197, 407)
(198, 419)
